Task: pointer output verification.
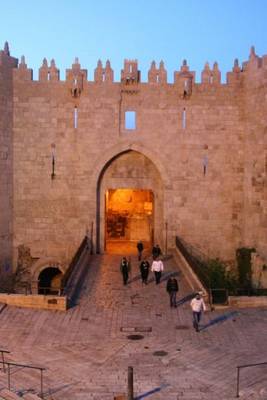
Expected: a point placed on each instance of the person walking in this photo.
(125, 269)
(144, 269)
(156, 252)
(140, 248)
(172, 288)
(197, 306)
(157, 267)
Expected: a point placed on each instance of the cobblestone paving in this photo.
(87, 351)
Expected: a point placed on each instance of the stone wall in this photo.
(192, 142)
(51, 219)
(47, 302)
(7, 64)
(255, 185)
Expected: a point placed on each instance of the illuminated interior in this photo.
(129, 218)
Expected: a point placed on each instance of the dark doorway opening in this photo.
(49, 281)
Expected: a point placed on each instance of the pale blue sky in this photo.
(171, 30)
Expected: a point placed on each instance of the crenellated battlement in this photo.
(184, 79)
(198, 149)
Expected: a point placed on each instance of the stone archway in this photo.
(130, 171)
(49, 280)
(50, 271)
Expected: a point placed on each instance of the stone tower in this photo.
(7, 64)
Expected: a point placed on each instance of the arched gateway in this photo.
(129, 203)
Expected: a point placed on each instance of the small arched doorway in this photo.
(49, 281)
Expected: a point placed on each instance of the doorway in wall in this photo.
(49, 281)
(129, 217)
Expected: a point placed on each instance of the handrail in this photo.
(195, 264)
(3, 357)
(41, 369)
(197, 267)
(85, 242)
(238, 373)
(46, 290)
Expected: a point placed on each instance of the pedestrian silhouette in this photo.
(140, 248)
(157, 267)
(197, 306)
(156, 252)
(144, 269)
(172, 288)
(125, 269)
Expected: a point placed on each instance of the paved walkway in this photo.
(87, 352)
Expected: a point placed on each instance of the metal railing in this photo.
(219, 296)
(3, 352)
(10, 364)
(196, 265)
(239, 367)
(49, 290)
(41, 369)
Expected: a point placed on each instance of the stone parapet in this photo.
(48, 302)
(247, 301)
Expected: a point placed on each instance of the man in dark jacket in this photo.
(172, 288)
(156, 252)
(140, 248)
(125, 269)
(144, 269)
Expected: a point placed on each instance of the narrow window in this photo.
(184, 119)
(48, 76)
(75, 117)
(157, 78)
(130, 120)
(130, 68)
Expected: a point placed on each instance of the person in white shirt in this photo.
(157, 267)
(197, 305)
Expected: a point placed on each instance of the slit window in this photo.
(75, 118)
(130, 120)
(184, 119)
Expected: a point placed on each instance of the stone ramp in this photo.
(87, 350)
(2, 307)
(78, 276)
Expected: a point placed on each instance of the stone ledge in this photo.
(48, 302)
(247, 301)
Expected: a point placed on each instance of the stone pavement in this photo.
(87, 351)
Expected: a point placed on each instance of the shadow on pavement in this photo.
(157, 389)
(219, 319)
(185, 299)
(50, 392)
